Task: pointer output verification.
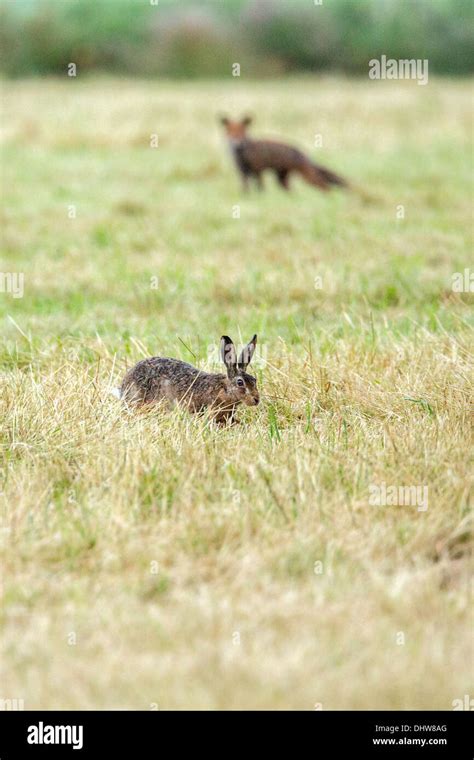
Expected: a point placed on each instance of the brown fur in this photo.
(255, 156)
(171, 380)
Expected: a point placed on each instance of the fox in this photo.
(255, 156)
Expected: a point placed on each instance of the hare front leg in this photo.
(226, 417)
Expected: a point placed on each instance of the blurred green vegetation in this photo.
(187, 38)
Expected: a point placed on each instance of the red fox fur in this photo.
(254, 156)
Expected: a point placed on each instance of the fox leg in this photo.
(245, 181)
(258, 180)
(283, 176)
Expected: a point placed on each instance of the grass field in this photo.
(155, 561)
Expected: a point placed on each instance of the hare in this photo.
(159, 379)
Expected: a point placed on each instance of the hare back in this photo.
(158, 379)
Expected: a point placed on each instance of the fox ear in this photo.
(247, 352)
(247, 120)
(229, 355)
(224, 120)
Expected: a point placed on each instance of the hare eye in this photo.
(240, 382)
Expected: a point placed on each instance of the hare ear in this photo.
(247, 120)
(229, 355)
(224, 120)
(247, 352)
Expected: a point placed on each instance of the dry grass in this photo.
(197, 567)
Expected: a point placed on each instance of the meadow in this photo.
(155, 561)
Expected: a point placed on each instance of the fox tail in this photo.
(321, 177)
